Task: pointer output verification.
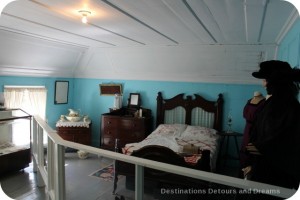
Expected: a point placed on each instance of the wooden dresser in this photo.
(122, 125)
(75, 132)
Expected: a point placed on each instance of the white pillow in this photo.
(199, 132)
(170, 129)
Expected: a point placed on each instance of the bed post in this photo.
(188, 108)
(219, 113)
(159, 113)
(116, 168)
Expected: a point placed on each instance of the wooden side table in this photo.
(79, 132)
(225, 138)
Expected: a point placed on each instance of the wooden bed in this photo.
(195, 111)
(14, 157)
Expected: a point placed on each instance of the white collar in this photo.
(268, 96)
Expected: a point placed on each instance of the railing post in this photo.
(139, 182)
(40, 156)
(50, 167)
(59, 169)
(34, 144)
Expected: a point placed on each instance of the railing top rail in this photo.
(206, 176)
(44, 125)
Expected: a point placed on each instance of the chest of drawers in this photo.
(126, 129)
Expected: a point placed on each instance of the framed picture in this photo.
(61, 92)
(134, 100)
(110, 89)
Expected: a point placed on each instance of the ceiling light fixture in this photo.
(85, 14)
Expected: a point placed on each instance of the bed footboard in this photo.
(165, 155)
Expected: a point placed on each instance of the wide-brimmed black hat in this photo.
(268, 68)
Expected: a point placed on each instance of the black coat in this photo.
(276, 134)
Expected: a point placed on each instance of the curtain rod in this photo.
(23, 86)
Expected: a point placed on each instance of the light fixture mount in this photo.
(85, 14)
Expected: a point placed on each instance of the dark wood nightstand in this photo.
(225, 140)
(79, 132)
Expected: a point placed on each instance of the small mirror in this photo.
(61, 92)
(134, 100)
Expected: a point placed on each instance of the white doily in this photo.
(73, 124)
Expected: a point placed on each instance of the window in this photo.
(28, 98)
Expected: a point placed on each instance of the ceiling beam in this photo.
(199, 20)
(138, 20)
(263, 20)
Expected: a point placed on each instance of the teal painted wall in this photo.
(84, 94)
(53, 111)
(87, 97)
(289, 49)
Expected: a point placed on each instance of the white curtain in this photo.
(38, 99)
(32, 100)
(13, 97)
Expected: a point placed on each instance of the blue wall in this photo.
(87, 97)
(289, 49)
(84, 95)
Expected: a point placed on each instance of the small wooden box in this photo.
(189, 148)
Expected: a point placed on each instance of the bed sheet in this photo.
(7, 148)
(176, 136)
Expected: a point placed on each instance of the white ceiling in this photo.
(175, 40)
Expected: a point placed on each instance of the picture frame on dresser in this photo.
(134, 100)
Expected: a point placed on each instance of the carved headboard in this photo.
(197, 111)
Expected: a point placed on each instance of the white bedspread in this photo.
(178, 135)
(7, 148)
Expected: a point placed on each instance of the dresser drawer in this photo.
(80, 135)
(133, 136)
(66, 136)
(109, 132)
(132, 124)
(110, 121)
(73, 130)
(82, 140)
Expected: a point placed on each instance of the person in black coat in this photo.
(275, 137)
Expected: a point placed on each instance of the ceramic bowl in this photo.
(73, 119)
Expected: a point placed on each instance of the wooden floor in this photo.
(22, 185)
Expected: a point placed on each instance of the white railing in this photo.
(52, 173)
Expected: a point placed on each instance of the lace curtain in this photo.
(13, 97)
(32, 100)
(38, 98)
